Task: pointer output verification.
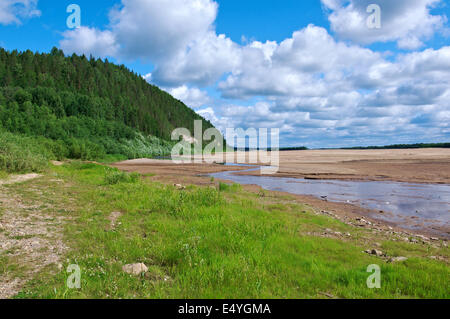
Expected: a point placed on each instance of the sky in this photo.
(327, 73)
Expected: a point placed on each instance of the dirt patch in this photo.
(30, 238)
(57, 163)
(19, 179)
(113, 218)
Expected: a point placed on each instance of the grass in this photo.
(114, 176)
(220, 242)
(22, 153)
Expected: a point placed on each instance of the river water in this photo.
(412, 206)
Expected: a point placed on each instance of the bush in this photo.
(85, 150)
(113, 176)
(22, 154)
(233, 188)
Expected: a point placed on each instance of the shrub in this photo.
(113, 176)
(20, 154)
(233, 188)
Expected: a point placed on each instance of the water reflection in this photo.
(425, 203)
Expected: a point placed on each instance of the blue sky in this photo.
(314, 68)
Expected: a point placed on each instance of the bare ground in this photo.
(30, 237)
(409, 165)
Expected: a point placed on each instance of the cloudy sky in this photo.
(314, 69)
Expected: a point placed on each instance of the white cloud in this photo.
(178, 36)
(192, 97)
(87, 41)
(157, 29)
(203, 62)
(408, 22)
(304, 65)
(13, 11)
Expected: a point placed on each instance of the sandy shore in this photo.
(414, 165)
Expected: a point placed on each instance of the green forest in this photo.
(55, 107)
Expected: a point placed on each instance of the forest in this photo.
(74, 107)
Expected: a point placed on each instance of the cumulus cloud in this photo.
(325, 89)
(84, 40)
(193, 97)
(408, 22)
(304, 65)
(178, 36)
(13, 11)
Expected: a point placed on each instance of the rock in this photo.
(377, 252)
(434, 239)
(423, 237)
(327, 295)
(374, 252)
(397, 259)
(135, 269)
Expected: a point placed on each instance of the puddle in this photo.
(412, 206)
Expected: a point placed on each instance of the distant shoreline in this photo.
(386, 147)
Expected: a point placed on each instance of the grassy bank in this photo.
(213, 242)
(21, 153)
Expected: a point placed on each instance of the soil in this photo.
(30, 238)
(410, 165)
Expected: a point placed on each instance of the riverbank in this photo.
(327, 161)
(211, 241)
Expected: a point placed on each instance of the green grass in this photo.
(218, 242)
(114, 176)
(224, 187)
(22, 153)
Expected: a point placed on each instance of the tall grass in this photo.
(114, 176)
(23, 154)
(20, 153)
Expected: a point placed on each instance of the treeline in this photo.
(401, 146)
(83, 108)
(77, 86)
(270, 149)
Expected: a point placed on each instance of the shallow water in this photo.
(414, 206)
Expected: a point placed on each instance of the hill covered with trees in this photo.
(84, 108)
